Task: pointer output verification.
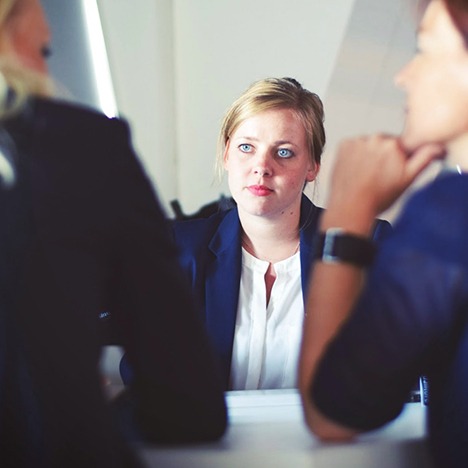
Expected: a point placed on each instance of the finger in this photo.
(421, 158)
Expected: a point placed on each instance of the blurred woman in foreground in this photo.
(81, 232)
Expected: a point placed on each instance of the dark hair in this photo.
(458, 9)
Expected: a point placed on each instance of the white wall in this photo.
(178, 65)
(221, 47)
(139, 37)
(70, 63)
(361, 97)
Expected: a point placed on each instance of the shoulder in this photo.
(63, 119)
(57, 109)
(440, 206)
(203, 239)
(54, 128)
(310, 214)
(447, 191)
(199, 232)
(435, 220)
(382, 229)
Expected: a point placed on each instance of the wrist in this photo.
(336, 245)
(359, 225)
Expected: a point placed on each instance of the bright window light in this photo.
(97, 47)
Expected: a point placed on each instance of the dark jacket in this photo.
(411, 319)
(210, 255)
(81, 232)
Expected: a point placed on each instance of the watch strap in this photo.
(336, 246)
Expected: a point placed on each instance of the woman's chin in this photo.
(411, 142)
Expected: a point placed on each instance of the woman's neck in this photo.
(268, 240)
(457, 153)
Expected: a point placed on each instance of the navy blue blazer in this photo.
(210, 254)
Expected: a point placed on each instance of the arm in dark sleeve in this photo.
(176, 392)
(394, 335)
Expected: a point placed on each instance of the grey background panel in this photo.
(70, 63)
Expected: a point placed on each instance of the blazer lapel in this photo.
(310, 215)
(222, 288)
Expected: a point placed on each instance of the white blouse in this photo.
(267, 339)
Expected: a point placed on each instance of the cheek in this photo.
(233, 172)
(437, 112)
(236, 167)
(229, 167)
(295, 182)
(441, 124)
(453, 122)
(457, 98)
(235, 184)
(306, 174)
(29, 55)
(449, 117)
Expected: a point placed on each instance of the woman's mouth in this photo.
(259, 190)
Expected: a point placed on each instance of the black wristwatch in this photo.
(336, 245)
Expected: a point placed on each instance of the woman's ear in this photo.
(312, 172)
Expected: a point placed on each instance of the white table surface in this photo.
(266, 430)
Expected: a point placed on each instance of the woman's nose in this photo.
(262, 164)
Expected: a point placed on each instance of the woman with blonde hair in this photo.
(249, 266)
(80, 233)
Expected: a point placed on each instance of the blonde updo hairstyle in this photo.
(270, 94)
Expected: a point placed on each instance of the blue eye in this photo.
(285, 153)
(245, 148)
